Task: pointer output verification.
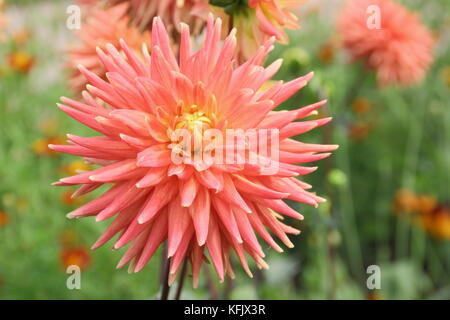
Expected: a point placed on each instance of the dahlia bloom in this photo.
(400, 51)
(172, 12)
(101, 27)
(200, 206)
(264, 19)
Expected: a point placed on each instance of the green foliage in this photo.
(231, 6)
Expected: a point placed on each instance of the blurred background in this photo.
(387, 186)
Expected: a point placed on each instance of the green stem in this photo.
(347, 211)
(409, 177)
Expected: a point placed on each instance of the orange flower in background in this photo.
(425, 204)
(20, 61)
(103, 26)
(428, 213)
(263, 19)
(400, 51)
(78, 256)
(374, 295)
(437, 222)
(73, 253)
(75, 167)
(405, 201)
(361, 105)
(172, 12)
(40, 146)
(4, 219)
(327, 53)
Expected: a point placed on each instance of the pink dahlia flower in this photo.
(201, 207)
(262, 20)
(172, 12)
(400, 50)
(101, 27)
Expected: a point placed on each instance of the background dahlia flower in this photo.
(400, 51)
(261, 20)
(172, 12)
(198, 208)
(101, 27)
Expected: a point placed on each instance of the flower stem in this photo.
(165, 265)
(405, 235)
(181, 281)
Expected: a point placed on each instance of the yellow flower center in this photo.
(194, 121)
(188, 131)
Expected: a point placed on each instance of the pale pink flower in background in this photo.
(3, 20)
(206, 211)
(172, 12)
(262, 20)
(100, 27)
(400, 52)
